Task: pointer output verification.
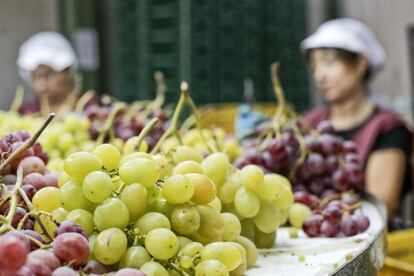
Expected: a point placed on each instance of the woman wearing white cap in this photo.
(47, 61)
(344, 55)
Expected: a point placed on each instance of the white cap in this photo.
(350, 35)
(47, 48)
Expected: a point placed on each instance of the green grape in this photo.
(160, 205)
(79, 164)
(285, 198)
(91, 241)
(131, 146)
(152, 220)
(135, 257)
(186, 262)
(47, 199)
(71, 122)
(216, 166)
(185, 220)
(116, 183)
(140, 170)
(225, 252)
(59, 214)
(211, 223)
(241, 249)
(135, 198)
(191, 249)
(83, 218)
(248, 228)
(228, 190)
(153, 193)
(267, 218)
(111, 213)
(298, 212)
(97, 186)
(272, 186)
(182, 241)
(229, 208)
(66, 141)
(48, 223)
(63, 178)
(152, 268)
(164, 164)
(72, 197)
(184, 153)
(240, 270)
(251, 250)
(109, 155)
(264, 240)
(178, 189)
(110, 246)
(204, 188)
(81, 136)
(216, 204)
(232, 226)
(211, 268)
(251, 177)
(189, 166)
(247, 203)
(282, 216)
(135, 155)
(161, 243)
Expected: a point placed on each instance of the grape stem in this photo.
(84, 99)
(23, 220)
(177, 268)
(160, 94)
(3, 219)
(144, 132)
(194, 111)
(18, 99)
(172, 130)
(109, 121)
(303, 150)
(13, 205)
(328, 199)
(34, 213)
(28, 143)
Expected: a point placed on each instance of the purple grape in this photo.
(349, 226)
(45, 256)
(331, 163)
(350, 147)
(29, 190)
(331, 145)
(18, 215)
(305, 198)
(325, 127)
(332, 214)
(313, 144)
(311, 226)
(35, 235)
(315, 163)
(355, 173)
(270, 163)
(277, 149)
(64, 270)
(317, 186)
(340, 181)
(362, 221)
(70, 227)
(96, 267)
(330, 230)
(327, 192)
(352, 158)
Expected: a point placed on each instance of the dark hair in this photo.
(349, 58)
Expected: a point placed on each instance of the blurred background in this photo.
(221, 47)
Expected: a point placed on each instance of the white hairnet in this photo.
(47, 48)
(350, 35)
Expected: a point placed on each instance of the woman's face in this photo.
(336, 79)
(53, 84)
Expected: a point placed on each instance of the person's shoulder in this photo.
(314, 116)
(30, 106)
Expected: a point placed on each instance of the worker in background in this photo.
(344, 56)
(48, 62)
